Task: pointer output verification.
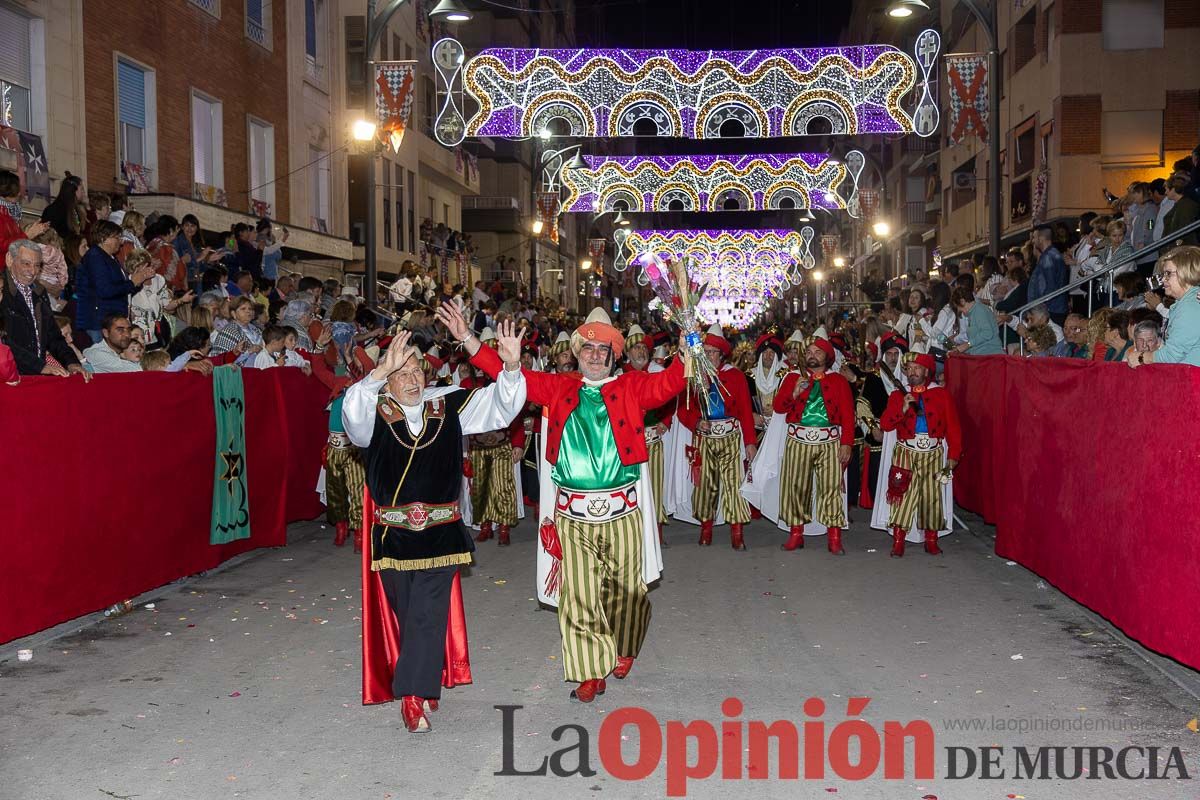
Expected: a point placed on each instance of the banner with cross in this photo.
(548, 206)
(393, 100)
(596, 248)
(968, 79)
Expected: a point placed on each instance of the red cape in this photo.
(381, 631)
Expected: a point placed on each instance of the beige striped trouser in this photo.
(809, 469)
(721, 475)
(603, 610)
(923, 500)
(493, 492)
(344, 479)
(655, 465)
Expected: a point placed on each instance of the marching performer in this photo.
(870, 400)
(493, 471)
(656, 421)
(768, 372)
(600, 544)
(560, 357)
(922, 445)
(892, 347)
(820, 436)
(413, 440)
(793, 350)
(725, 427)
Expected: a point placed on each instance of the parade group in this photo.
(601, 438)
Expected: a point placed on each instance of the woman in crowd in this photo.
(983, 336)
(240, 332)
(941, 324)
(150, 305)
(133, 225)
(160, 242)
(1039, 341)
(917, 312)
(68, 213)
(1180, 270)
(190, 249)
(1129, 289)
(297, 314)
(1097, 328)
(1116, 343)
(55, 272)
(101, 285)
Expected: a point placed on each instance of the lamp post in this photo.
(986, 16)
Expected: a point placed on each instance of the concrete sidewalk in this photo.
(245, 683)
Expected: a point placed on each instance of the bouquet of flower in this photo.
(679, 297)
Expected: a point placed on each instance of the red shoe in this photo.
(485, 532)
(835, 542)
(931, 545)
(706, 527)
(502, 539)
(624, 664)
(414, 715)
(340, 531)
(358, 539)
(735, 536)
(795, 540)
(586, 692)
(897, 542)
(755, 513)
(431, 704)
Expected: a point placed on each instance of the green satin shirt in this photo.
(587, 458)
(814, 415)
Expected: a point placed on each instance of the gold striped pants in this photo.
(655, 465)
(923, 500)
(493, 490)
(344, 479)
(809, 468)
(721, 475)
(603, 610)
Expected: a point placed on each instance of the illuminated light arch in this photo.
(627, 192)
(791, 189)
(716, 198)
(564, 106)
(645, 105)
(676, 191)
(828, 105)
(730, 105)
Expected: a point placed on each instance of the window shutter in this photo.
(131, 94)
(254, 10)
(14, 48)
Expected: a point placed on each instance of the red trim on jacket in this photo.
(835, 391)
(738, 404)
(940, 416)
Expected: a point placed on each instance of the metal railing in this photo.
(1108, 271)
(482, 203)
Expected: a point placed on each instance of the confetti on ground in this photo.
(235, 694)
(500, 582)
(1017, 657)
(1010, 563)
(149, 606)
(1088, 633)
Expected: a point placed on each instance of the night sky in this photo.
(708, 24)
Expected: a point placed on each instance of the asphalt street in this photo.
(245, 682)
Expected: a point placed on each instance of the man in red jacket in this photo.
(724, 425)
(820, 417)
(924, 420)
(605, 549)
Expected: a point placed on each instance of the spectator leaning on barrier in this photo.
(983, 338)
(1147, 336)
(1180, 271)
(33, 335)
(105, 355)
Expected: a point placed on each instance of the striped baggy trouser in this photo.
(655, 465)
(811, 479)
(721, 476)
(493, 490)
(923, 500)
(344, 479)
(603, 610)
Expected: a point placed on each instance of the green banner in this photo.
(231, 503)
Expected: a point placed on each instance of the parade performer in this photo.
(870, 400)
(413, 440)
(922, 445)
(599, 544)
(656, 422)
(716, 463)
(805, 452)
(793, 350)
(559, 357)
(892, 347)
(768, 372)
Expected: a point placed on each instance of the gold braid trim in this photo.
(410, 564)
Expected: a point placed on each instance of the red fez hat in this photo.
(825, 347)
(892, 339)
(924, 359)
(715, 340)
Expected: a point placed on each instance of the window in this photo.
(318, 190)
(258, 22)
(356, 53)
(310, 29)
(133, 94)
(16, 76)
(1024, 138)
(1024, 40)
(211, 6)
(1131, 137)
(262, 163)
(207, 146)
(962, 182)
(1132, 24)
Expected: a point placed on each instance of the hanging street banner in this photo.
(393, 101)
(968, 79)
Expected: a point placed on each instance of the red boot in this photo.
(795, 540)
(414, 714)
(661, 539)
(897, 542)
(340, 531)
(735, 536)
(931, 545)
(706, 527)
(624, 664)
(358, 539)
(485, 532)
(835, 542)
(586, 692)
(502, 539)
(431, 704)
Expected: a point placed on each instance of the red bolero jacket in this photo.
(835, 391)
(939, 415)
(627, 398)
(737, 404)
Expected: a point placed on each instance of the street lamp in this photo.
(902, 9)
(538, 225)
(451, 11)
(881, 229)
(620, 219)
(839, 262)
(585, 264)
(818, 276)
(363, 130)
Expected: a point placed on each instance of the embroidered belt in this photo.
(599, 506)
(921, 442)
(339, 440)
(721, 427)
(652, 434)
(417, 516)
(806, 435)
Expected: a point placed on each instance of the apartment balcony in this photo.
(491, 215)
(452, 169)
(916, 217)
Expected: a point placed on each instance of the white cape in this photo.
(652, 563)
(761, 487)
(881, 511)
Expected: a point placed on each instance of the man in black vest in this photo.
(413, 440)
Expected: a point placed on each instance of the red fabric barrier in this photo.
(1086, 470)
(108, 486)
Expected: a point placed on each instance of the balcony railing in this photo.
(211, 6)
(915, 213)
(490, 203)
(255, 32)
(313, 71)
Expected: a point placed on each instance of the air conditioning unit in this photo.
(964, 181)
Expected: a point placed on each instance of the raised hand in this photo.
(397, 353)
(449, 315)
(508, 342)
